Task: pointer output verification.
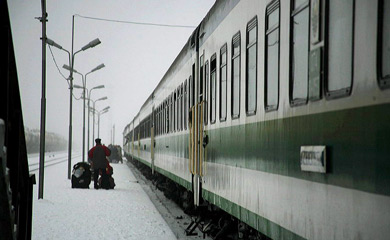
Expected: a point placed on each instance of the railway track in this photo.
(51, 162)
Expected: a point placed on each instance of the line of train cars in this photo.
(278, 113)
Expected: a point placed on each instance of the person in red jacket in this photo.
(98, 156)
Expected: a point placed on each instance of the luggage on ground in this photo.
(81, 175)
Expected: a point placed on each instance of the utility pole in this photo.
(43, 104)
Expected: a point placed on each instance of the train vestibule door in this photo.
(196, 151)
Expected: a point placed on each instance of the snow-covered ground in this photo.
(123, 213)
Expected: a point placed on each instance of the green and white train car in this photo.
(278, 112)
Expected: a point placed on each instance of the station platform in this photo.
(125, 212)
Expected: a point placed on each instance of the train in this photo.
(277, 113)
(16, 183)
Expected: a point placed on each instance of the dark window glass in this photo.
(340, 47)
(165, 116)
(185, 104)
(272, 57)
(386, 40)
(193, 79)
(213, 88)
(201, 76)
(206, 66)
(299, 53)
(236, 69)
(251, 67)
(223, 83)
(384, 44)
(181, 107)
(273, 15)
(190, 92)
(173, 111)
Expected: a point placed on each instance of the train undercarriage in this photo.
(207, 218)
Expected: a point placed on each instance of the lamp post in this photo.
(89, 99)
(84, 80)
(91, 44)
(101, 112)
(43, 19)
(93, 112)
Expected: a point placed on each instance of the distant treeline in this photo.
(53, 141)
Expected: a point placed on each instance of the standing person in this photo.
(99, 163)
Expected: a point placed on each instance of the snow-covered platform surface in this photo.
(123, 213)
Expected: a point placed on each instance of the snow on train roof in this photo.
(210, 22)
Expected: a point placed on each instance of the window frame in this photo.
(213, 111)
(383, 81)
(235, 39)
(271, 7)
(293, 13)
(200, 84)
(185, 104)
(206, 83)
(344, 92)
(252, 24)
(223, 49)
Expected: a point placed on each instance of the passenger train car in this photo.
(278, 113)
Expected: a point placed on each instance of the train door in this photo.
(196, 123)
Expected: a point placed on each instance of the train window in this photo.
(213, 88)
(299, 57)
(156, 121)
(181, 107)
(185, 104)
(201, 78)
(165, 117)
(170, 113)
(193, 79)
(206, 84)
(340, 37)
(155, 124)
(272, 57)
(251, 67)
(236, 72)
(178, 109)
(384, 44)
(191, 91)
(173, 110)
(223, 83)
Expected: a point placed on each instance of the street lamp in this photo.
(93, 112)
(101, 112)
(91, 44)
(84, 80)
(89, 99)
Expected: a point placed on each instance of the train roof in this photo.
(206, 27)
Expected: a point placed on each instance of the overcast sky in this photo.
(136, 56)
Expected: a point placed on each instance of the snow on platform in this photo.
(123, 213)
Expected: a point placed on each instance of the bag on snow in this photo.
(81, 175)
